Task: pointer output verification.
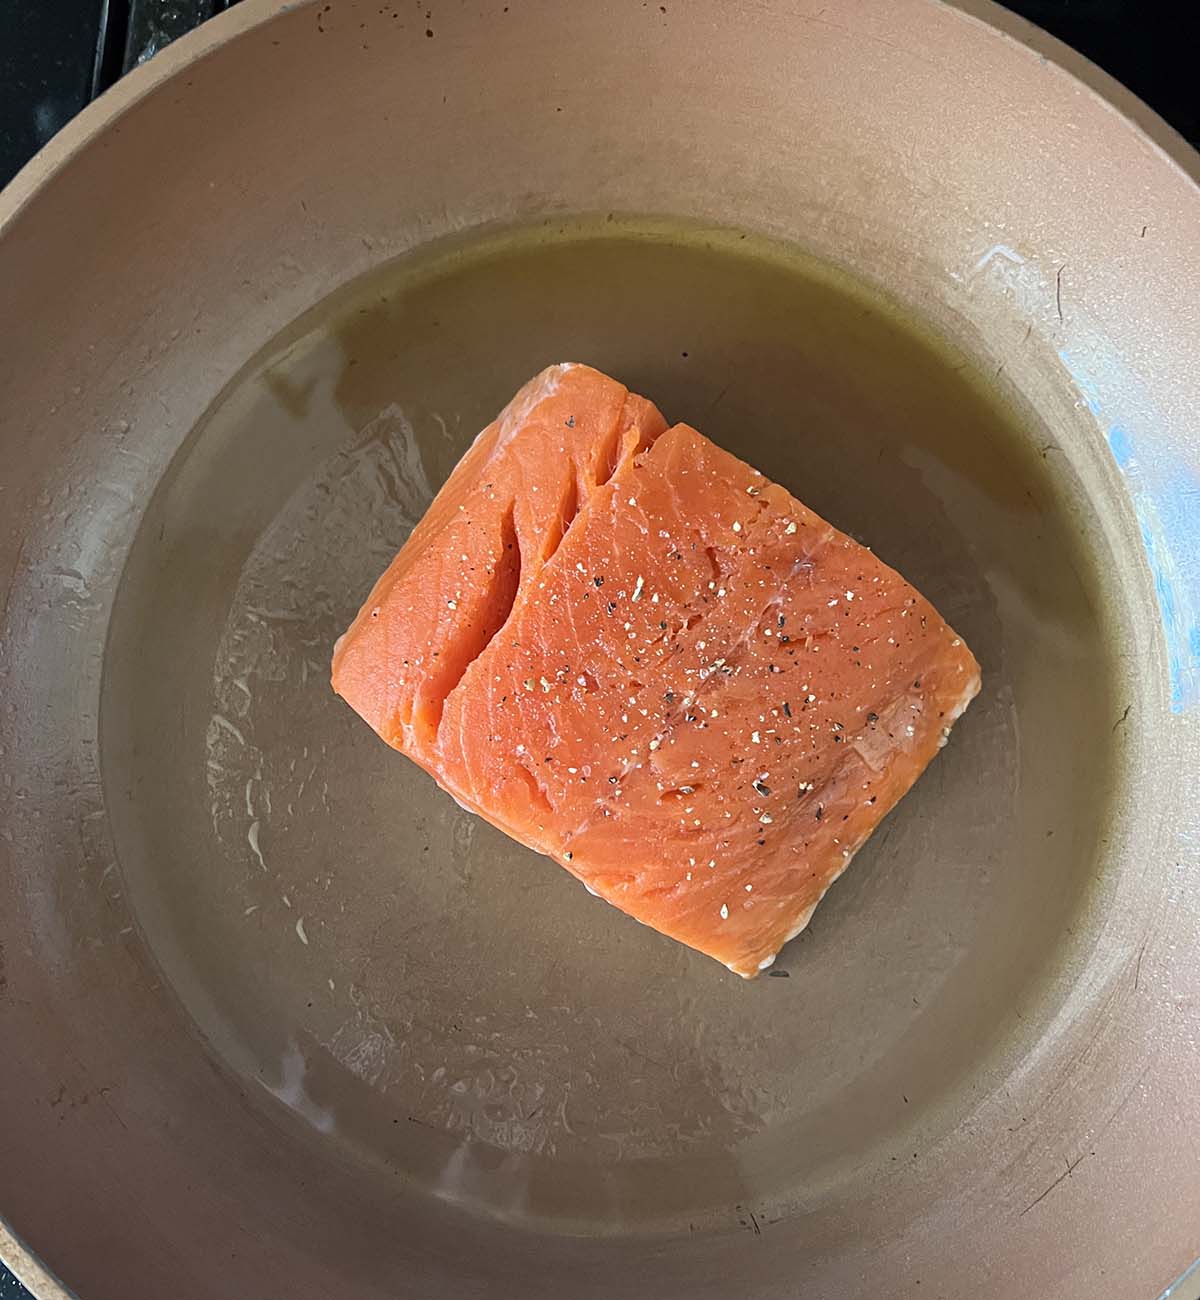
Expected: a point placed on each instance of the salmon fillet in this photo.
(633, 653)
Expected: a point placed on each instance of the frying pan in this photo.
(277, 1018)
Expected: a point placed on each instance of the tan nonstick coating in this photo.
(277, 1018)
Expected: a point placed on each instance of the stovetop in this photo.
(58, 55)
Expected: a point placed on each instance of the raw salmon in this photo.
(633, 653)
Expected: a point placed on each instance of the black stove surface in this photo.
(58, 55)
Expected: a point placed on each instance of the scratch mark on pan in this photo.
(720, 397)
(1125, 1100)
(1070, 1169)
(858, 35)
(998, 250)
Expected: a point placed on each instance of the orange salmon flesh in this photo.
(633, 653)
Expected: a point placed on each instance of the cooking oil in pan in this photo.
(404, 985)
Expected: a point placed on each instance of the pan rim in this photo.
(90, 125)
(32, 1274)
(222, 28)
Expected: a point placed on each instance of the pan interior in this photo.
(407, 990)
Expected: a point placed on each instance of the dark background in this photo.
(57, 55)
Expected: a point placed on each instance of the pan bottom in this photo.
(400, 986)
